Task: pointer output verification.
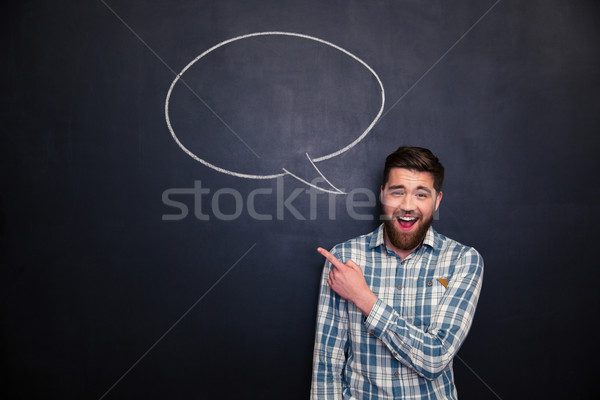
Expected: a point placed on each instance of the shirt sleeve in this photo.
(428, 352)
(331, 342)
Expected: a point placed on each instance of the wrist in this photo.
(366, 302)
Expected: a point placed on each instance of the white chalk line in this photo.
(175, 73)
(177, 322)
(439, 59)
(323, 176)
(336, 191)
(322, 158)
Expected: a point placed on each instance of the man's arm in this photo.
(427, 351)
(331, 343)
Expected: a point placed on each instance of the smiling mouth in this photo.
(406, 222)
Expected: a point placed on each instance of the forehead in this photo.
(409, 178)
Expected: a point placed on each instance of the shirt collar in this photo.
(376, 237)
(431, 238)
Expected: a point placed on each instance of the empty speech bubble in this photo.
(252, 111)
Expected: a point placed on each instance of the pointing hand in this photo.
(348, 281)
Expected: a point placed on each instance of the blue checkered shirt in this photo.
(404, 348)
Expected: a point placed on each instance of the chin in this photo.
(406, 240)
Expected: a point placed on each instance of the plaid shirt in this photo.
(404, 348)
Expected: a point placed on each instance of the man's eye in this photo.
(421, 195)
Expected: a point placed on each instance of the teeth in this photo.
(407, 218)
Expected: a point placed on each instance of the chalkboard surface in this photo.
(169, 168)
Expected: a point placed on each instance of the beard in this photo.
(406, 240)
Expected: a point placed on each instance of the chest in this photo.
(414, 287)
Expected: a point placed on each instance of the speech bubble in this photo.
(285, 171)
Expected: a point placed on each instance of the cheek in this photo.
(427, 211)
(389, 206)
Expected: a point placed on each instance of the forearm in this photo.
(421, 350)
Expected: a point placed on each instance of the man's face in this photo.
(409, 202)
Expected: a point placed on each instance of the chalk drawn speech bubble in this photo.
(285, 171)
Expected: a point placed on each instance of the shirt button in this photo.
(402, 262)
(397, 374)
(394, 354)
(399, 287)
(372, 332)
(429, 283)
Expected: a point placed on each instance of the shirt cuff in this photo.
(379, 318)
(382, 319)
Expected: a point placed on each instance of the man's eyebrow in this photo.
(424, 188)
(396, 187)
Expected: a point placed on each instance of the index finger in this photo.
(330, 257)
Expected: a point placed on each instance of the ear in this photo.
(381, 194)
(438, 200)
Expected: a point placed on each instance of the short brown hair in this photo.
(416, 159)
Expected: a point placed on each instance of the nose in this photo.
(407, 204)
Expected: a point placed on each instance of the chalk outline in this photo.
(286, 172)
(336, 191)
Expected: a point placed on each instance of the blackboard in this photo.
(158, 229)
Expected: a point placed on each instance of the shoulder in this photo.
(450, 250)
(357, 245)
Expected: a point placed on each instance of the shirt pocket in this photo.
(430, 291)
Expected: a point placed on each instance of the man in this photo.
(395, 305)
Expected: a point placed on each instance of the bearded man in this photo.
(395, 305)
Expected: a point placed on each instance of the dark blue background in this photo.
(93, 277)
